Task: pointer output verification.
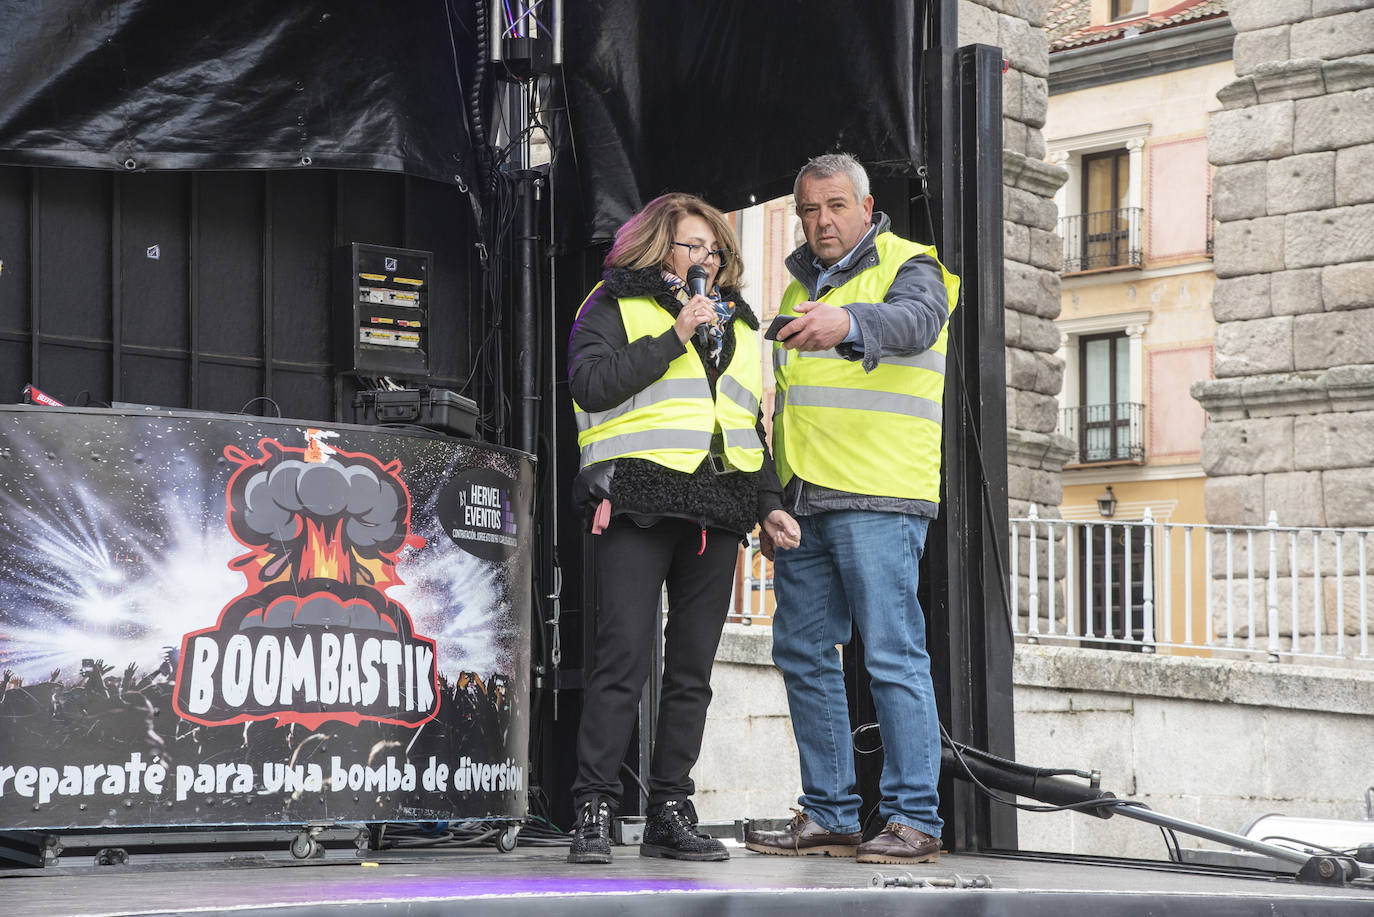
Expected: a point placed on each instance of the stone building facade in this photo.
(1292, 406)
(1032, 249)
(1033, 256)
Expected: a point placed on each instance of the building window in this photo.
(1106, 231)
(1102, 225)
(1105, 420)
(1127, 9)
(1111, 585)
(1107, 423)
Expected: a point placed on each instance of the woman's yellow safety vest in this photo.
(672, 421)
(874, 433)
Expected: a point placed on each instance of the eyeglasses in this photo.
(698, 253)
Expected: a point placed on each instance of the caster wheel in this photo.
(305, 847)
(506, 841)
(112, 856)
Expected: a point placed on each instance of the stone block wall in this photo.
(1033, 253)
(1210, 741)
(1213, 742)
(1294, 256)
(748, 766)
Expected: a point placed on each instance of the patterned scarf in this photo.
(725, 312)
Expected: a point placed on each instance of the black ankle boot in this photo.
(591, 841)
(671, 831)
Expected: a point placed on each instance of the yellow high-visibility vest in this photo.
(874, 433)
(672, 421)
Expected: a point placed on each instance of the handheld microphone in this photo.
(696, 285)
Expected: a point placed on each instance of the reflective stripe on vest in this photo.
(673, 420)
(869, 433)
(661, 390)
(734, 390)
(821, 396)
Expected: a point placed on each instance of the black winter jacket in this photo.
(605, 369)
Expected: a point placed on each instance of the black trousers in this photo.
(632, 565)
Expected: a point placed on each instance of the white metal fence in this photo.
(1272, 591)
(753, 587)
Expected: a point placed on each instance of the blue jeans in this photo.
(858, 567)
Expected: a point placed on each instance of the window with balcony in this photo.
(1110, 423)
(1106, 424)
(1102, 218)
(1107, 235)
(1105, 232)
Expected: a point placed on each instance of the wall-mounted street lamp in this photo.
(1106, 504)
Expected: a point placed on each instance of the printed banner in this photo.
(210, 620)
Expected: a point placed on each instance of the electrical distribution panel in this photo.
(385, 327)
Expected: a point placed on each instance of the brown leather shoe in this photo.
(899, 843)
(803, 837)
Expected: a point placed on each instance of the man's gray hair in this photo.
(830, 164)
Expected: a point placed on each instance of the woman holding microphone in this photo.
(665, 372)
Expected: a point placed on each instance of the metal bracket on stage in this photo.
(907, 880)
(627, 829)
(44, 850)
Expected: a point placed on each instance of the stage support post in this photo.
(971, 643)
(526, 283)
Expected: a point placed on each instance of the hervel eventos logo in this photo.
(314, 636)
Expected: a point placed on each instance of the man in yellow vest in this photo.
(856, 436)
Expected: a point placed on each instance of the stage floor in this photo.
(484, 881)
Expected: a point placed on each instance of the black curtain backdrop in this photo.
(727, 99)
(717, 97)
(253, 84)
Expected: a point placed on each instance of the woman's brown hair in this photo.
(646, 239)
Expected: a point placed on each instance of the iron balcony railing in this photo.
(1279, 592)
(1105, 432)
(1211, 228)
(1109, 238)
